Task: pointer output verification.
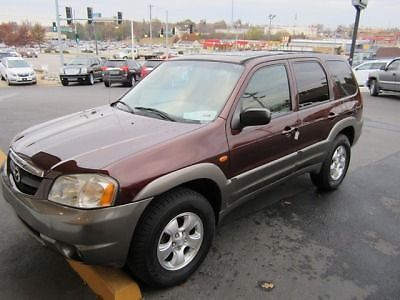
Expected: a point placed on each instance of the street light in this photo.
(270, 17)
(359, 5)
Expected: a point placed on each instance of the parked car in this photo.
(386, 79)
(363, 70)
(83, 70)
(145, 180)
(126, 54)
(29, 53)
(15, 70)
(121, 71)
(149, 65)
(4, 54)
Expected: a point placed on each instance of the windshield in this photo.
(191, 91)
(80, 61)
(18, 64)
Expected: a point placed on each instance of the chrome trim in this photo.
(23, 164)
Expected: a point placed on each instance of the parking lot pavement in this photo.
(340, 245)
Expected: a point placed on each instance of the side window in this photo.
(367, 66)
(268, 88)
(343, 77)
(394, 65)
(312, 84)
(378, 65)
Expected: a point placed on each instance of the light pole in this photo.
(359, 5)
(60, 45)
(270, 17)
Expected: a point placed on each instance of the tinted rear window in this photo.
(343, 77)
(312, 84)
(151, 63)
(115, 63)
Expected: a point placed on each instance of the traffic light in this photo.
(68, 12)
(77, 39)
(54, 27)
(90, 15)
(191, 28)
(173, 30)
(119, 17)
(162, 31)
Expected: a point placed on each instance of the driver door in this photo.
(260, 155)
(389, 77)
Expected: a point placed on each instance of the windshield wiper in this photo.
(130, 109)
(160, 113)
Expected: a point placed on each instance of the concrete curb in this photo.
(108, 283)
(3, 158)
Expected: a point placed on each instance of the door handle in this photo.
(288, 130)
(332, 115)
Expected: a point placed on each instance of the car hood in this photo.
(94, 139)
(20, 70)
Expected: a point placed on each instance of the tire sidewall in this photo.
(341, 140)
(190, 204)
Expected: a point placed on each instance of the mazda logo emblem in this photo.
(17, 174)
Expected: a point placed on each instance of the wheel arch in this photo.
(206, 178)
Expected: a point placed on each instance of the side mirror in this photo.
(255, 116)
(384, 68)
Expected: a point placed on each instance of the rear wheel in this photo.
(172, 238)
(132, 81)
(107, 83)
(335, 166)
(374, 88)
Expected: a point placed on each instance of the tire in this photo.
(132, 81)
(64, 82)
(107, 83)
(374, 88)
(145, 259)
(335, 166)
(90, 79)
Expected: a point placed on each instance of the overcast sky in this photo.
(380, 13)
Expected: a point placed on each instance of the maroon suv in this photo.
(144, 181)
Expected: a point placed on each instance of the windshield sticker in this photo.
(203, 115)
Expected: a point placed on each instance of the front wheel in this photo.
(90, 79)
(335, 166)
(172, 238)
(373, 88)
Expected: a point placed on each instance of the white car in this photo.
(16, 70)
(126, 54)
(362, 71)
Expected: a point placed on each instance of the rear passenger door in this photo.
(260, 155)
(318, 110)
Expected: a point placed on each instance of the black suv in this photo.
(386, 79)
(121, 71)
(83, 70)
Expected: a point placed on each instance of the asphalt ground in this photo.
(308, 245)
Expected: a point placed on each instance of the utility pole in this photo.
(270, 17)
(75, 29)
(132, 40)
(60, 45)
(166, 33)
(151, 31)
(359, 5)
(95, 37)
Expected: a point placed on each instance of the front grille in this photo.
(23, 75)
(25, 181)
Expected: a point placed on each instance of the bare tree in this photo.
(38, 33)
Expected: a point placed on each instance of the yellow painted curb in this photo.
(108, 283)
(3, 158)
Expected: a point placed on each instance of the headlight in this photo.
(83, 70)
(84, 190)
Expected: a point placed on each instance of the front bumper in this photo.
(96, 236)
(74, 78)
(22, 80)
